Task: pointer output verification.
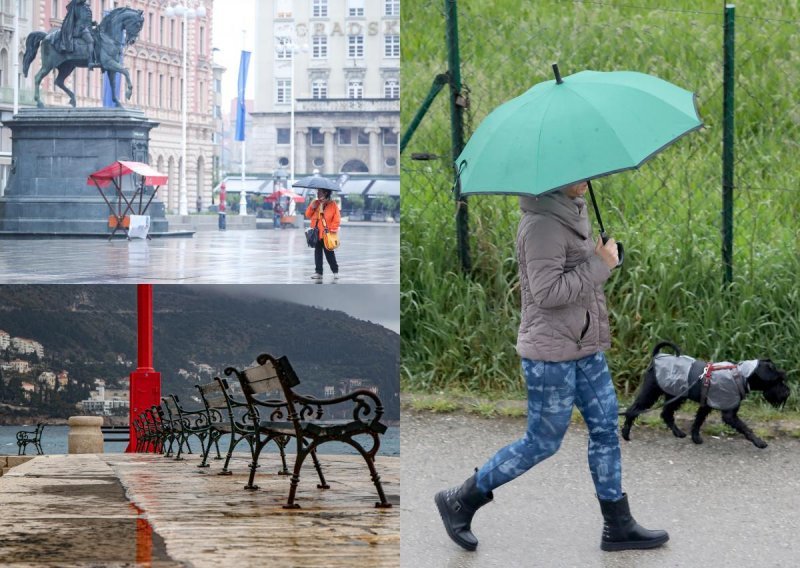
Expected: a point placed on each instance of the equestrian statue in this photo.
(81, 43)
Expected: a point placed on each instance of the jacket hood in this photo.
(570, 212)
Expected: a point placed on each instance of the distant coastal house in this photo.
(27, 346)
(28, 389)
(5, 340)
(105, 402)
(48, 378)
(17, 365)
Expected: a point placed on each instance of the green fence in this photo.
(459, 326)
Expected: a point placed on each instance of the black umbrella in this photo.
(317, 182)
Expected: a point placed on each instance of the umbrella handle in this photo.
(620, 249)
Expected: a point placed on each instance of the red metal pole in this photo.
(145, 389)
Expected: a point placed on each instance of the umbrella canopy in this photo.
(585, 126)
(118, 169)
(275, 195)
(317, 182)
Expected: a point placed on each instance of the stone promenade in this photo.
(147, 510)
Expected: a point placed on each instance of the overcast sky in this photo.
(377, 303)
(237, 15)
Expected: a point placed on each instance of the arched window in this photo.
(4, 73)
(319, 89)
(391, 89)
(355, 166)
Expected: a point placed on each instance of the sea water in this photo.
(54, 441)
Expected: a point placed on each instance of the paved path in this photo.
(144, 510)
(368, 255)
(724, 503)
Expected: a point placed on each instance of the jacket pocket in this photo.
(585, 329)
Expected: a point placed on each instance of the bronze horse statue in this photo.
(108, 47)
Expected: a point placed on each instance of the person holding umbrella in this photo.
(325, 218)
(585, 126)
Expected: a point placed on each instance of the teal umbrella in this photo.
(561, 132)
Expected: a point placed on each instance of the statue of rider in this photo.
(78, 24)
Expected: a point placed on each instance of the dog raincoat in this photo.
(727, 389)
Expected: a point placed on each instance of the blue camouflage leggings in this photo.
(553, 388)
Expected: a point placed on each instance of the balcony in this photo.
(347, 105)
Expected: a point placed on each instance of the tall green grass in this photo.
(458, 331)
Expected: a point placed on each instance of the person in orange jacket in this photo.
(330, 213)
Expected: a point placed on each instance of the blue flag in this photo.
(108, 101)
(241, 109)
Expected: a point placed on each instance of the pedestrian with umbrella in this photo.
(325, 218)
(546, 146)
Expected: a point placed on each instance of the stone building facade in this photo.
(7, 72)
(155, 65)
(346, 61)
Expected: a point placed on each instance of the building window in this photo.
(355, 8)
(138, 87)
(345, 136)
(283, 136)
(363, 138)
(317, 137)
(161, 91)
(149, 89)
(150, 27)
(161, 31)
(217, 85)
(319, 89)
(391, 89)
(283, 91)
(172, 33)
(318, 162)
(391, 7)
(202, 97)
(355, 89)
(171, 100)
(202, 40)
(283, 161)
(284, 50)
(217, 111)
(54, 13)
(391, 162)
(319, 47)
(319, 8)
(389, 137)
(391, 45)
(355, 46)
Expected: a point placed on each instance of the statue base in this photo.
(54, 150)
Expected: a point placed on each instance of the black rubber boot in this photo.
(457, 506)
(622, 532)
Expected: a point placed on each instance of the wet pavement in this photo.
(147, 510)
(725, 503)
(368, 255)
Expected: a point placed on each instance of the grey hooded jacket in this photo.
(564, 315)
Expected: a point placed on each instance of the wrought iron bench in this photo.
(303, 420)
(185, 423)
(25, 437)
(241, 417)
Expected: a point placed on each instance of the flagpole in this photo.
(243, 193)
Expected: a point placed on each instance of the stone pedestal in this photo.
(85, 436)
(54, 151)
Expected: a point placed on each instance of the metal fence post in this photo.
(457, 129)
(727, 144)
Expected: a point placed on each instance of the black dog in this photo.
(663, 378)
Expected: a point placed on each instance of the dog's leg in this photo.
(668, 416)
(700, 417)
(731, 418)
(648, 394)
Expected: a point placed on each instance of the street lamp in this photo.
(187, 14)
(286, 46)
